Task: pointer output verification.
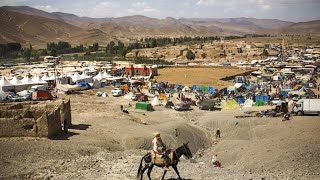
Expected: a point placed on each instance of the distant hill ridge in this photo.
(55, 26)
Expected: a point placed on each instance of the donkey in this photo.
(182, 150)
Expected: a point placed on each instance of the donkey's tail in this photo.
(140, 166)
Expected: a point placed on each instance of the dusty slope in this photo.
(106, 144)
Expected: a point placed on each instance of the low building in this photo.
(142, 70)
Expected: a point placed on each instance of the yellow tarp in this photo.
(231, 104)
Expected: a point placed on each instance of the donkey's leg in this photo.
(149, 171)
(143, 170)
(176, 170)
(164, 174)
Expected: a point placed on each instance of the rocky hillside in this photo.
(25, 24)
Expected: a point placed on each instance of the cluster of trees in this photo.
(14, 50)
(10, 50)
(117, 49)
(190, 55)
(62, 48)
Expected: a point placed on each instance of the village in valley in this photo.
(227, 106)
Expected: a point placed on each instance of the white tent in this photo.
(238, 85)
(18, 85)
(155, 101)
(77, 78)
(85, 76)
(105, 74)
(27, 81)
(98, 77)
(5, 85)
(2, 95)
(186, 88)
(248, 103)
(15, 81)
(45, 77)
(38, 80)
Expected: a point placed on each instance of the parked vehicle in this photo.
(41, 95)
(116, 92)
(182, 107)
(207, 104)
(38, 88)
(14, 98)
(307, 106)
(275, 101)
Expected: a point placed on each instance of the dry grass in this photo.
(198, 76)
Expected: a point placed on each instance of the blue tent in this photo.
(178, 86)
(196, 88)
(212, 90)
(262, 98)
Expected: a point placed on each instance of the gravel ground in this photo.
(107, 144)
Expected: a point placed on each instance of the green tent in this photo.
(144, 106)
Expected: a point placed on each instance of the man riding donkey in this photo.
(160, 148)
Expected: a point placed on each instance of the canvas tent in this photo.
(2, 95)
(47, 78)
(105, 74)
(98, 77)
(248, 103)
(18, 85)
(5, 85)
(231, 88)
(237, 85)
(81, 78)
(185, 89)
(231, 104)
(27, 81)
(37, 80)
(155, 101)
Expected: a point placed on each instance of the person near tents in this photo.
(160, 148)
(218, 134)
(215, 161)
(65, 125)
(121, 108)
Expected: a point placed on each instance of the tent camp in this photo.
(37, 80)
(186, 89)
(231, 88)
(27, 81)
(231, 104)
(105, 74)
(47, 78)
(18, 85)
(81, 78)
(237, 85)
(155, 101)
(2, 95)
(5, 85)
(98, 77)
(248, 103)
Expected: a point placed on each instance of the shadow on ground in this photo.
(80, 126)
(64, 136)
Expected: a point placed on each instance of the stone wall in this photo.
(32, 119)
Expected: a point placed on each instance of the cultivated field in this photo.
(209, 76)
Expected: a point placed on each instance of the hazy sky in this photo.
(293, 10)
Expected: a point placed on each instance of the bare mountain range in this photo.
(29, 25)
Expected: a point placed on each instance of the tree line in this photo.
(15, 50)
